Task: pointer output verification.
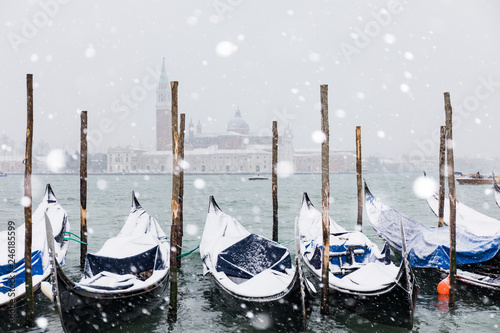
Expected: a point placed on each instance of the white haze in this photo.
(387, 66)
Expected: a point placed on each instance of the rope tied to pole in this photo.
(76, 240)
(69, 232)
(182, 255)
(287, 242)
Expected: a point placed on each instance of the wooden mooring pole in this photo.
(325, 199)
(452, 197)
(181, 185)
(175, 208)
(442, 167)
(83, 188)
(30, 301)
(275, 181)
(359, 174)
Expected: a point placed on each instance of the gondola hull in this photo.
(392, 305)
(371, 286)
(13, 314)
(283, 310)
(12, 279)
(85, 311)
(477, 252)
(480, 285)
(254, 275)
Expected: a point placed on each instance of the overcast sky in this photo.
(387, 65)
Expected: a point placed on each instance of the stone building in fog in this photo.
(163, 112)
(238, 150)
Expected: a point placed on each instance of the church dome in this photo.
(238, 124)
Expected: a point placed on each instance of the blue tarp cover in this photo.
(252, 255)
(94, 264)
(429, 247)
(5, 271)
(316, 258)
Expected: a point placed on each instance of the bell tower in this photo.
(163, 112)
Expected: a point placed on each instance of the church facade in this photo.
(238, 150)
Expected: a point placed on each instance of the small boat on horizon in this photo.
(258, 177)
(475, 179)
(3, 174)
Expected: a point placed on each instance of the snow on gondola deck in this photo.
(127, 278)
(13, 291)
(253, 273)
(361, 277)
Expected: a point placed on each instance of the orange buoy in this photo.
(443, 287)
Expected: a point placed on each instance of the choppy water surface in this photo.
(108, 205)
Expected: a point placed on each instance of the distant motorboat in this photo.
(3, 174)
(475, 179)
(258, 177)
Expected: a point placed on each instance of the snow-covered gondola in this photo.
(254, 274)
(126, 279)
(478, 256)
(361, 278)
(12, 271)
(497, 192)
(466, 217)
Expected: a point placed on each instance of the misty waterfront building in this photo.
(238, 150)
(237, 136)
(14, 163)
(309, 161)
(163, 112)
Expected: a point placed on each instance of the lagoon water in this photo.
(108, 205)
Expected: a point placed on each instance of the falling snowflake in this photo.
(424, 187)
(318, 136)
(225, 49)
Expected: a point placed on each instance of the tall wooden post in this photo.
(442, 161)
(182, 131)
(451, 196)
(83, 188)
(30, 302)
(275, 181)
(359, 174)
(175, 208)
(325, 197)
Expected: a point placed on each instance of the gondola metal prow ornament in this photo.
(52, 260)
(404, 258)
(302, 290)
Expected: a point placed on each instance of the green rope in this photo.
(76, 240)
(189, 252)
(287, 242)
(69, 232)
